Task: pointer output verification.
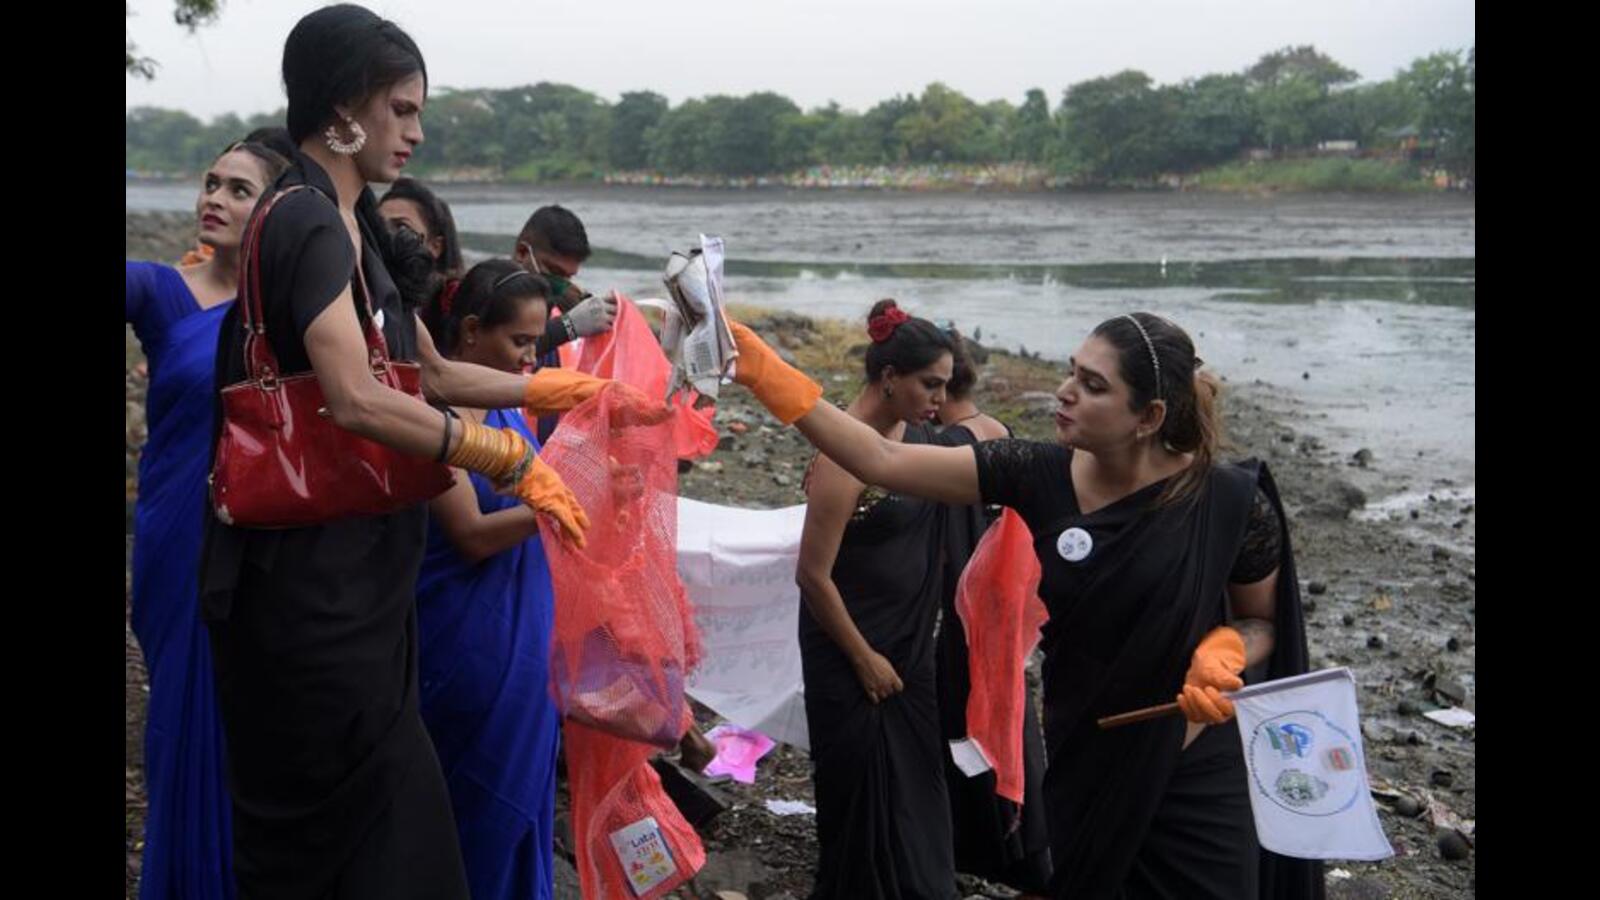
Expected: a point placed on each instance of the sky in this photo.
(854, 52)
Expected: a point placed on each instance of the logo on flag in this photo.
(1276, 751)
(1308, 781)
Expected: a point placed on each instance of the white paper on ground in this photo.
(1455, 717)
(790, 808)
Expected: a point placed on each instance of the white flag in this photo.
(738, 567)
(1307, 771)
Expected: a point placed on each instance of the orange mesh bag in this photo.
(623, 642)
(997, 599)
(630, 352)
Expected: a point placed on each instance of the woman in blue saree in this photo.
(484, 614)
(176, 314)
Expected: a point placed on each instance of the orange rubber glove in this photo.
(1215, 668)
(558, 390)
(554, 389)
(542, 489)
(785, 391)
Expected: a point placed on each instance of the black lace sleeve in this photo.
(1028, 476)
(1263, 543)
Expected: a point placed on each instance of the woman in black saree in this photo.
(870, 574)
(1164, 572)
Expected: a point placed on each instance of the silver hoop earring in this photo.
(357, 141)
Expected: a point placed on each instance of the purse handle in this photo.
(261, 363)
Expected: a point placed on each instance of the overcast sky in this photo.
(856, 52)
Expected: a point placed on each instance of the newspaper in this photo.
(695, 334)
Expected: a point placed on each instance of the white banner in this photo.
(738, 566)
(1307, 770)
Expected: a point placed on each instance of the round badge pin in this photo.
(1074, 544)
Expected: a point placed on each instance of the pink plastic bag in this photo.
(998, 602)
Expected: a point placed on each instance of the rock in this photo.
(1042, 400)
(1413, 738)
(782, 480)
(738, 427)
(1440, 554)
(1317, 588)
(1286, 438)
(1338, 500)
(1409, 708)
(1308, 606)
(1442, 777)
(1453, 846)
(1416, 514)
(1357, 887)
(567, 885)
(1362, 458)
(1347, 619)
(725, 442)
(1451, 689)
(1408, 806)
(1453, 644)
(1305, 376)
(1375, 642)
(709, 466)
(732, 870)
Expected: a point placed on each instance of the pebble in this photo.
(1348, 619)
(1453, 644)
(1440, 554)
(1409, 708)
(1453, 846)
(1442, 778)
(1416, 514)
(1362, 457)
(1317, 587)
(1305, 376)
(1309, 606)
(782, 480)
(1374, 642)
(1408, 807)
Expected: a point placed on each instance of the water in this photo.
(1362, 309)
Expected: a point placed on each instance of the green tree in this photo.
(631, 120)
(1035, 140)
(191, 14)
(1292, 88)
(1445, 92)
(1114, 128)
(1215, 120)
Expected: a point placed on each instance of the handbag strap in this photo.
(261, 362)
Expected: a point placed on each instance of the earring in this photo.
(888, 392)
(358, 138)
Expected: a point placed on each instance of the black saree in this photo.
(1132, 813)
(883, 820)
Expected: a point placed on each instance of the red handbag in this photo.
(281, 462)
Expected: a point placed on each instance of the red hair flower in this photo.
(881, 327)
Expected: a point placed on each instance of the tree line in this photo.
(1116, 129)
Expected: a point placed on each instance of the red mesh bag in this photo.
(623, 642)
(997, 599)
(630, 352)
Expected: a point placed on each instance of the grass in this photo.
(1356, 175)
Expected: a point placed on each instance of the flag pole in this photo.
(1138, 715)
